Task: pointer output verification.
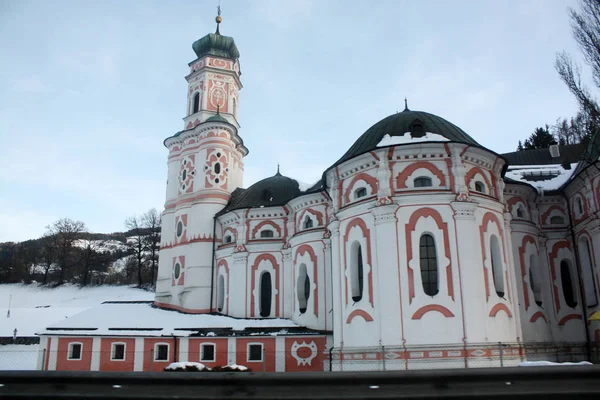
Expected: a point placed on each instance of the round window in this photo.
(183, 175)
(217, 168)
(179, 228)
(177, 270)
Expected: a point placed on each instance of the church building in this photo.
(418, 248)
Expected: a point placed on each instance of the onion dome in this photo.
(276, 190)
(215, 44)
(418, 123)
(217, 118)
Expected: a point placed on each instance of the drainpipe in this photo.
(212, 263)
(580, 280)
(174, 347)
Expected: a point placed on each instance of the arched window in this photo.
(356, 272)
(266, 195)
(567, 284)
(265, 294)
(221, 291)
(303, 288)
(520, 212)
(267, 233)
(497, 267)
(227, 239)
(360, 192)
(535, 280)
(479, 187)
(423, 181)
(308, 222)
(429, 268)
(416, 128)
(587, 271)
(196, 103)
(557, 220)
(579, 206)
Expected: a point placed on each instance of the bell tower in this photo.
(214, 79)
(205, 165)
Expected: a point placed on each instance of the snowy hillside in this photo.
(34, 307)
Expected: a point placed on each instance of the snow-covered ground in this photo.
(102, 246)
(34, 307)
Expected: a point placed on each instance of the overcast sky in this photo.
(90, 89)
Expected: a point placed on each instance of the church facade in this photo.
(418, 248)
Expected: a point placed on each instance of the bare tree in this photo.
(151, 221)
(585, 24)
(48, 254)
(90, 255)
(64, 233)
(137, 243)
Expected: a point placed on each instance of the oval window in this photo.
(217, 168)
(179, 228)
(183, 175)
(177, 270)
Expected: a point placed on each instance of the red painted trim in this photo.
(318, 215)
(196, 198)
(271, 258)
(537, 316)
(549, 210)
(513, 201)
(584, 215)
(408, 171)
(263, 223)
(303, 249)
(371, 181)
(359, 313)
(233, 234)
(182, 309)
(568, 318)
(432, 307)
(47, 354)
(450, 173)
(472, 172)
(374, 155)
(409, 228)
(526, 240)
(366, 232)
(500, 307)
(487, 218)
(563, 244)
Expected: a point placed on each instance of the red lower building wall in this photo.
(269, 356)
(106, 364)
(149, 363)
(220, 351)
(303, 354)
(62, 358)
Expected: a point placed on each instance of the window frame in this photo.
(112, 351)
(248, 352)
(357, 287)
(220, 293)
(228, 239)
(302, 295)
(422, 179)
(562, 220)
(308, 223)
(260, 294)
(196, 105)
(358, 193)
(497, 264)
(265, 232)
(155, 356)
(70, 351)
(214, 351)
(574, 293)
(480, 187)
(427, 258)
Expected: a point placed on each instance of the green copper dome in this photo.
(216, 118)
(215, 44)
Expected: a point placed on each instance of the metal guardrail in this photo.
(554, 382)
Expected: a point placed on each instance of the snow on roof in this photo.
(305, 186)
(541, 177)
(388, 140)
(143, 319)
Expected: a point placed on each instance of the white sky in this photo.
(90, 89)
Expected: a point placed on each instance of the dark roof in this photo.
(217, 118)
(215, 44)
(568, 154)
(400, 123)
(270, 192)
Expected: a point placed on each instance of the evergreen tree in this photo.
(541, 138)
